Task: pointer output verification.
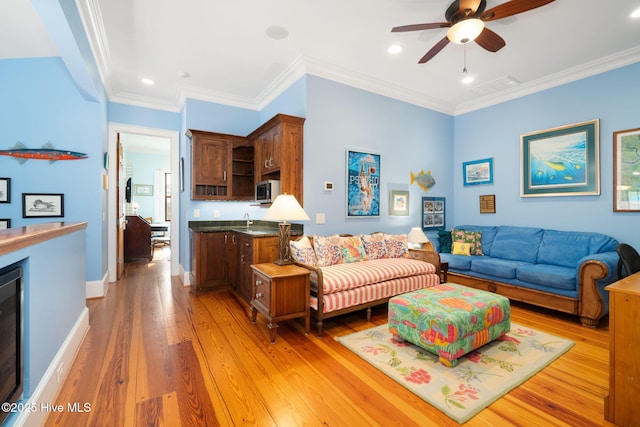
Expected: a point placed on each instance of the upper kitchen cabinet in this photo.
(222, 166)
(279, 153)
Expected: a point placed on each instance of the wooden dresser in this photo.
(621, 405)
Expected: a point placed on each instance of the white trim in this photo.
(97, 288)
(114, 130)
(48, 387)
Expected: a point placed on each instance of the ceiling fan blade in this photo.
(490, 40)
(511, 8)
(470, 5)
(434, 50)
(420, 27)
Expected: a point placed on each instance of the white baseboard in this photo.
(48, 387)
(98, 288)
(186, 281)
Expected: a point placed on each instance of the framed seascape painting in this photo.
(563, 161)
(42, 205)
(363, 184)
(626, 170)
(433, 210)
(478, 172)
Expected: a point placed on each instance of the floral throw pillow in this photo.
(397, 245)
(375, 245)
(474, 238)
(352, 249)
(302, 251)
(327, 250)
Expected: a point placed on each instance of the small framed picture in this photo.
(478, 172)
(42, 205)
(143, 189)
(399, 203)
(5, 223)
(5, 190)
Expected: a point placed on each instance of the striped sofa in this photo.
(370, 278)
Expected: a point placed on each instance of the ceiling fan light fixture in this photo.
(465, 31)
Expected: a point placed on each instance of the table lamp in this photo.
(417, 237)
(285, 208)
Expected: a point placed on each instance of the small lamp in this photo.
(285, 208)
(417, 237)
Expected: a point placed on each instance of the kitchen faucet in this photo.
(246, 216)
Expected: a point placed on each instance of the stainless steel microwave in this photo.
(267, 191)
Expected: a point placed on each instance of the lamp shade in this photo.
(285, 208)
(465, 31)
(416, 235)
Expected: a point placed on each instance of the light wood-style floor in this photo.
(155, 355)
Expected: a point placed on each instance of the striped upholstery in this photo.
(348, 276)
(364, 294)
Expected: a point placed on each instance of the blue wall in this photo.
(495, 132)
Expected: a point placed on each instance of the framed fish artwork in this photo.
(433, 212)
(363, 184)
(42, 205)
(563, 161)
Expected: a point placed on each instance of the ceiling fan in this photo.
(465, 20)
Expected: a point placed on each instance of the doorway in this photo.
(139, 133)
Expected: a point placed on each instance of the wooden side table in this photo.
(280, 292)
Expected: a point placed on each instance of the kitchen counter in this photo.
(257, 229)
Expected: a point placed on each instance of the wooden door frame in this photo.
(114, 130)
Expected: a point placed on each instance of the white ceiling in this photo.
(225, 48)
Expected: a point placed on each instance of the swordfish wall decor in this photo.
(47, 152)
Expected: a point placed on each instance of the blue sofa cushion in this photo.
(488, 234)
(517, 243)
(457, 262)
(567, 248)
(497, 267)
(549, 275)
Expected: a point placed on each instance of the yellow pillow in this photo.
(461, 248)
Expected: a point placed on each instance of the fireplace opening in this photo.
(11, 367)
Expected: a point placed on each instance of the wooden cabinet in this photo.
(280, 293)
(222, 166)
(279, 153)
(137, 239)
(209, 269)
(621, 405)
(252, 250)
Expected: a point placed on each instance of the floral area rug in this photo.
(480, 378)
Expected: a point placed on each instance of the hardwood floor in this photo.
(155, 355)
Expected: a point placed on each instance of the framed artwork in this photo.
(563, 161)
(181, 173)
(626, 170)
(433, 211)
(488, 203)
(399, 203)
(42, 205)
(5, 190)
(5, 223)
(143, 189)
(363, 184)
(478, 172)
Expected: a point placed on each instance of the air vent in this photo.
(494, 86)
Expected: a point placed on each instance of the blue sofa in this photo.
(561, 270)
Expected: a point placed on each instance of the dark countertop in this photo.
(257, 228)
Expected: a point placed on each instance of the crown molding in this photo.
(589, 69)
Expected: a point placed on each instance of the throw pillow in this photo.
(461, 248)
(352, 249)
(327, 250)
(472, 237)
(302, 251)
(375, 245)
(397, 245)
(445, 241)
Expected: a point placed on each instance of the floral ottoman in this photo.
(449, 320)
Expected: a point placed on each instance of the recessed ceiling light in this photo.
(147, 81)
(394, 49)
(468, 80)
(636, 13)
